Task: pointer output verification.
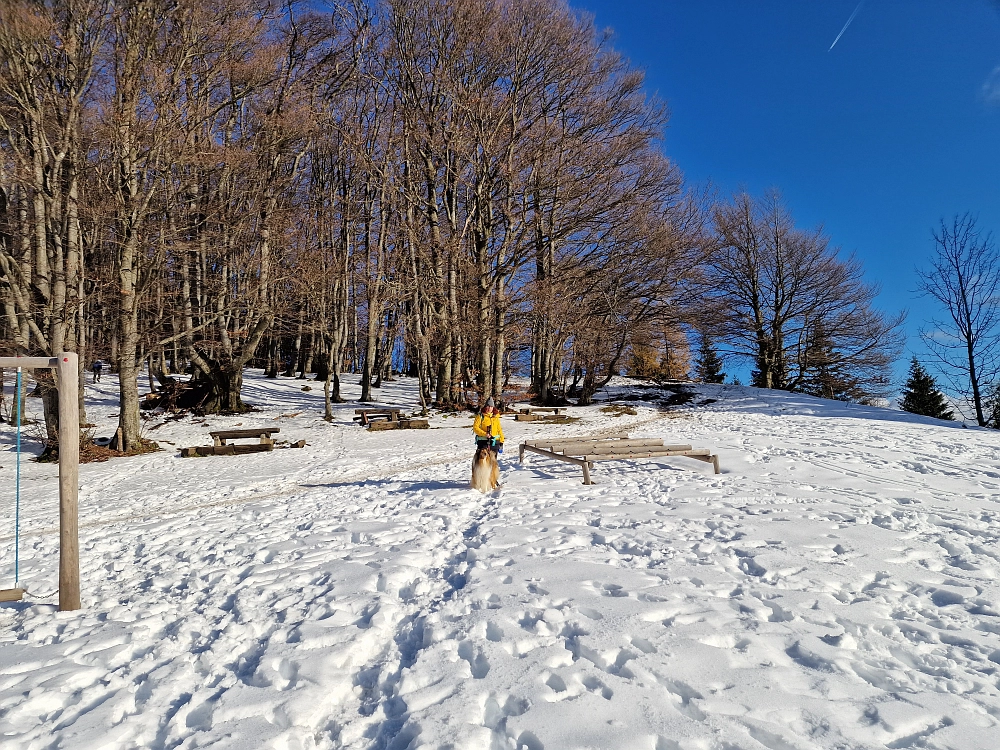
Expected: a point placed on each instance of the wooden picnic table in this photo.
(223, 448)
(365, 416)
(543, 410)
(264, 433)
(536, 413)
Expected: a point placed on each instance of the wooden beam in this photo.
(582, 463)
(626, 455)
(30, 363)
(550, 454)
(568, 442)
(580, 449)
(701, 454)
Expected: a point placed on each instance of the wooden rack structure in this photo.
(585, 451)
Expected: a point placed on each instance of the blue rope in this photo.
(17, 485)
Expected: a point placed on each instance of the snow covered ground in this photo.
(835, 587)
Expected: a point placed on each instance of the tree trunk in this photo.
(224, 396)
(127, 437)
(368, 365)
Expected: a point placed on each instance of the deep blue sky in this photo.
(876, 140)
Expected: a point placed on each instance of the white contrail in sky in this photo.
(846, 25)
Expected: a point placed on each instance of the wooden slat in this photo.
(11, 595)
(625, 455)
(633, 449)
(620, 440)
(569, 446)
(250, 433)
(585, 450)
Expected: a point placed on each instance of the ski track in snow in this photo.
(835, 587)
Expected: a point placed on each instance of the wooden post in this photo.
(67, 372)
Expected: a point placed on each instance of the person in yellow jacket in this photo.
(487, 427)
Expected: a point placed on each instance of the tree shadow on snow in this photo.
(396, 485)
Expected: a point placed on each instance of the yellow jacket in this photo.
(482, 422)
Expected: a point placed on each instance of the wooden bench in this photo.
(399, 424)
(226, 450)
(367, 416)
(264, 433)
(584, 452)
(222, 448)
(536, 413)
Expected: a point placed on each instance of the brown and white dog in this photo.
(485, 470)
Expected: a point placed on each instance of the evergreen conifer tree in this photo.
(709, 365)
(992, 407)
(824, 376)
(921, 395)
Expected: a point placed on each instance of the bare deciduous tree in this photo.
(49, 55)
(794, 305)
(964, 278)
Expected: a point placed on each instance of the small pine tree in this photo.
(709, 365)
(992, 407)
(921, 395)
